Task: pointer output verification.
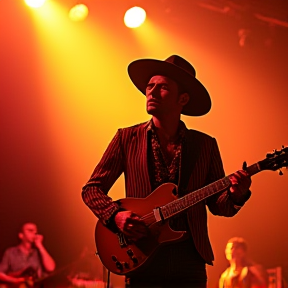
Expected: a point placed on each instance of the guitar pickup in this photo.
(122, 240)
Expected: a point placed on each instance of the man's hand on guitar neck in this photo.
(240, 184)
(131, 225)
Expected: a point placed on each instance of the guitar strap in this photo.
(190, 153)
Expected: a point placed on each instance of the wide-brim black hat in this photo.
(175, 67)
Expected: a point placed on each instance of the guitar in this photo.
(31, 279)
(29, 274)
(122, 256)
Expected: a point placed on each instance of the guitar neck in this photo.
(177, 206)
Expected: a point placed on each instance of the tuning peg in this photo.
(270, 155)
(284, 149)
(244, 166)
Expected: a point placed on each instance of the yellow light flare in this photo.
(35, 3)
(149, 35)
(84, 79)
(81, 88)
(79, 12)
(134, 17)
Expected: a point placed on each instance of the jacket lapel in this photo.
(190, 153)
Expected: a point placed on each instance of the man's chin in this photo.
(151, 111)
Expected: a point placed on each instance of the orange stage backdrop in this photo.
(65, 91)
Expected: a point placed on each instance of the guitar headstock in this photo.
(275, 160)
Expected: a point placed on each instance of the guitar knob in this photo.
(114, 258)
(130, 252)
(119, 265)
(134, 259)
(126, 265)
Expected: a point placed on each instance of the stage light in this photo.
(134, 17)
(79, 12)
(35, 3)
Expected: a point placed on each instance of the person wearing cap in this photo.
(164, 150)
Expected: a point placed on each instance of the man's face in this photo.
(162, 96)
(234, 251)
(28, 234)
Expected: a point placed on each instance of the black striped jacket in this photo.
(201, 164)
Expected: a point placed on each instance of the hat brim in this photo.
(141, 71)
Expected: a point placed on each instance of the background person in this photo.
(242, 271)
(27, 261)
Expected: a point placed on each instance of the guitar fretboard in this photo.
(196, 196)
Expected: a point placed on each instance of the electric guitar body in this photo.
(120, 254)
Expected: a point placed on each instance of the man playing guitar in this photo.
(28, 261)
(156, 152)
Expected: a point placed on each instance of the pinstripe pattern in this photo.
(127, 152)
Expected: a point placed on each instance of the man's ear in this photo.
(184, 99)
(20, 235)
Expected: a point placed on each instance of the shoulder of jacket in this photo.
(193, 132)
(135, 127)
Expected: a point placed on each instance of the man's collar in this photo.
(151, 126)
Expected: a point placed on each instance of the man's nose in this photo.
(154, 92)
